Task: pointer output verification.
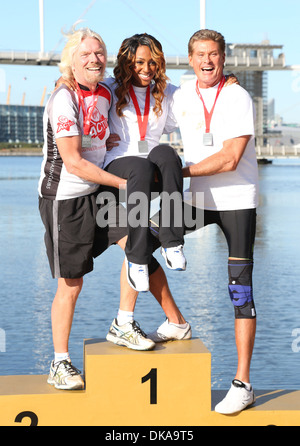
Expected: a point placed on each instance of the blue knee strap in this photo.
(240, 288)
(240, 294)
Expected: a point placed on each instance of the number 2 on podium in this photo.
(152, 376)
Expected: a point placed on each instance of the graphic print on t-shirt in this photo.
(64, 124)
(64, 118)
(99, 124)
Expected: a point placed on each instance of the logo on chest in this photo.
(99, 125)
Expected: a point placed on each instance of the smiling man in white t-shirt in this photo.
(217, 128)
(76, 130)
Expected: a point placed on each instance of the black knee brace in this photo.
(240, 288)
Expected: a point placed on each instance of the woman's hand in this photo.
(231, 79)
(70, 83)
(112, 141)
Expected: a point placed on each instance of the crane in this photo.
(8, 95)
(43, 96)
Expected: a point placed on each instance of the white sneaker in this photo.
(129, 335)
(237, 399)
(171, 332)
(63, 375)
(174, 258)
(137, 276)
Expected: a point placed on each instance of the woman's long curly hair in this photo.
(125, 64)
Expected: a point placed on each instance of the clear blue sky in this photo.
(171, 21)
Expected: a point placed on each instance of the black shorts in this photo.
(72, 236)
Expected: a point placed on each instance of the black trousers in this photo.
(164, 164)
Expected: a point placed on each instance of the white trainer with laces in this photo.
(129, 335)
(174, 258)
(237, 399)
(63, 375)
(137, 276)
(171, 332)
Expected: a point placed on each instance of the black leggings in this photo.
(238, 226)
(140, 174)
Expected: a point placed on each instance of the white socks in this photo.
(124, 317)
(61, 357)
(247, 386)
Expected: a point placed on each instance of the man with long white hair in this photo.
(75, 133)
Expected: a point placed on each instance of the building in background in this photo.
(21, 124)
(252, 62)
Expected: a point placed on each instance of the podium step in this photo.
(168, 386)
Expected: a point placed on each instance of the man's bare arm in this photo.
(225, 160)
(70, 150)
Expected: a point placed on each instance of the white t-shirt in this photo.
(64, 117)
(233, 116)
(127, 126)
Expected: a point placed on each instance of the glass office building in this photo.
(21, 124)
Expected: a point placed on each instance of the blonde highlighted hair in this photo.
(75, 37)
(123, 71)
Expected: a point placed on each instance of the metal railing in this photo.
(172, 62)
(280, 151)
(269, 152)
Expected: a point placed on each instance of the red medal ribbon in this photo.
(208, 115)
(142, 122)
(87, 116)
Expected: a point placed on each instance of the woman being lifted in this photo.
(139, 116)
